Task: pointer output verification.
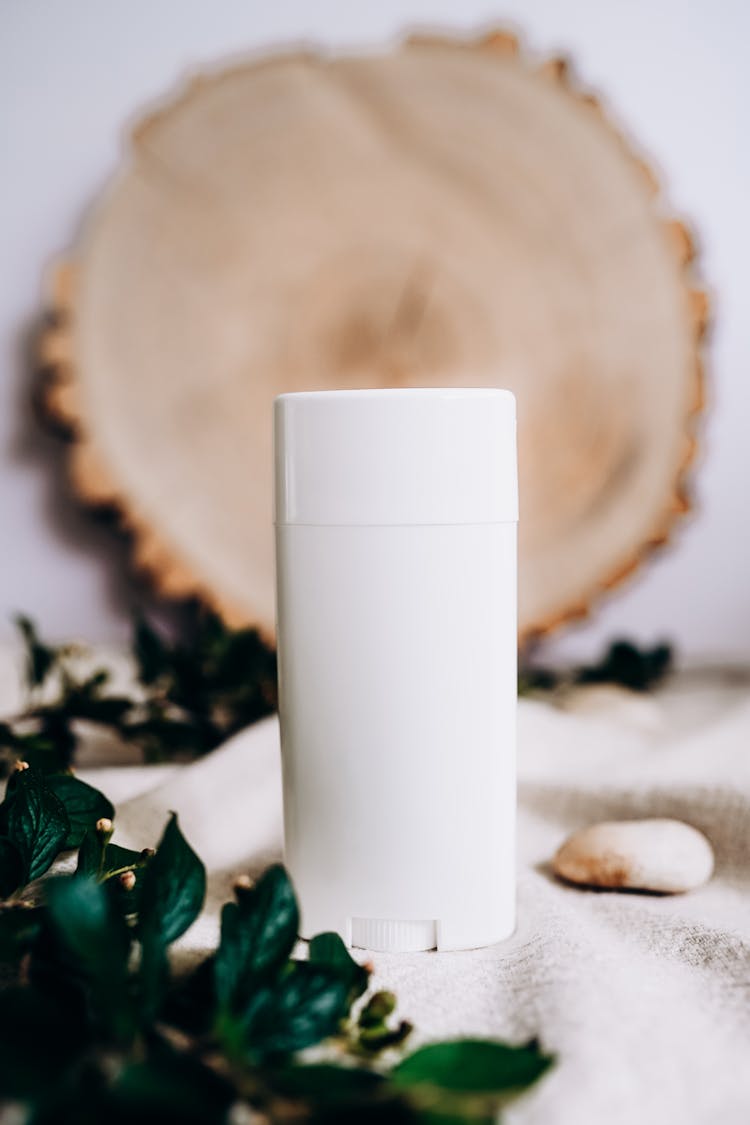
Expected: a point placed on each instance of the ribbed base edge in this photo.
(387, 935)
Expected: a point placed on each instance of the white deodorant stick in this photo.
(396, 515)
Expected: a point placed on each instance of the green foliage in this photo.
(95, 1027)
(12, 867)
(193, 694)
(83, 804)
(99, 1031)
(303, 1005)
(473, 1066)
(329, 950)
(39, 657)
(468, 1079)
(101, 860)
(624, 663)
(171, 898)
(375, 1031)
(174, 888)
(91, 930)
(34, 820)
(201, 691)
(38, 1043)
(258, 933)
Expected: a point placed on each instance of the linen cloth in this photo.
(644, 1000)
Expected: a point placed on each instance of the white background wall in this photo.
(74, 72)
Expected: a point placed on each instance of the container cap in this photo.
(385, 457)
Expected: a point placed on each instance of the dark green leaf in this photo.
(95, 935)
(57, 731)
(39, 657)
(242, 658)
(377, 1009)
(328, 949)
(12, 867)
(475, 1066)
(99, 860)
(83, 804)
(153, 976)
(151, 654)
(162, 736)
(170, 896)
(191, 1002)
(37, 1043)
(35, 820)
(85, 702)
(91, 855)
(258, 933)
(305, 1005)
(531, 678)
(327, 1082)
(377, 1037)
(18, 927)
(174, 887)
(171, 1087)
(82, 916)
(40, 751)
(324, 1083)
(625, 663)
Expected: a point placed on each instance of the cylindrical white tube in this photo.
(396, 517)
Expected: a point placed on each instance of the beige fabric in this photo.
(644, 999)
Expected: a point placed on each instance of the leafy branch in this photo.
(191, 694)
(623, 663)
(95, 1025)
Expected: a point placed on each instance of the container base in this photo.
(385, 935)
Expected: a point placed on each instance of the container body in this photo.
(397, 682)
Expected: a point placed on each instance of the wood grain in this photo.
(449, 213)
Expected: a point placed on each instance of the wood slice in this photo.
(445, 214)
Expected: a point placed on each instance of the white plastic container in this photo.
(396, 517)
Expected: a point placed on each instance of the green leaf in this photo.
(377, 1037)
(39, 657)
(305, 1005)
(94, 933)
(12, 868)
(19, 925)
(58, 735)
(378, 1008)
(172, 1087)
(161, 737)
(153, 976)
(473, 1066)
(37, 1043)
(90, 855)
(86, 702)
(39, 750)
(81, 915)
(151, 654)
(328, 949)
(258, 933)
(624, 663)
(170, 897)
(83, 804)
(174, 887)
(34, 818)
(191, 1002)
(100, 861)
(325, 1084)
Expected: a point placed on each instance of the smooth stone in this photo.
(666, 856)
